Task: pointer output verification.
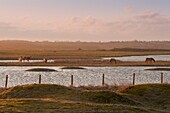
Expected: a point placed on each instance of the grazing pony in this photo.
(21, 58)
(112, 60)
(150, 60)
(27, 58)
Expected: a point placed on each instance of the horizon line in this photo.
(91, 41)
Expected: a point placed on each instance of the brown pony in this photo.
(150, 60)
(113, 60)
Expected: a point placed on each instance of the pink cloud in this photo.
(129, 9)
(142, 26)
(148, 14)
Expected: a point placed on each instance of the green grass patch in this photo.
(145, 89)
(37, 91)
(45, 98)
(62, 92)
(155, 95)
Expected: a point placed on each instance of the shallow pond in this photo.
(141, 58)
(89, 76)
(25, 61)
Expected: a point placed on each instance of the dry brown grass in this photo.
(2, 89)
(26, 45)
(72, 54)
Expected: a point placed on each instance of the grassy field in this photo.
(78, 58)
(73, 54)
(149, 98)
(113, 45)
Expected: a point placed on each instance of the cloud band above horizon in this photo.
(126, 22)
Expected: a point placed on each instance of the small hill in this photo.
(156, 95)
(62, 92)
(45, 98)
(147, 90)
(37, 91)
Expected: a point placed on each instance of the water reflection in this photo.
(142, 58)
(90, 76)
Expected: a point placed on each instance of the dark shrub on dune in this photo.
(72, 68)
(41, 70)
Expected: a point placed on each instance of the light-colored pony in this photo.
(45, 60)
(27, 58)
(20, 59)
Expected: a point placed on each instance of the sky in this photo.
(85, 20)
